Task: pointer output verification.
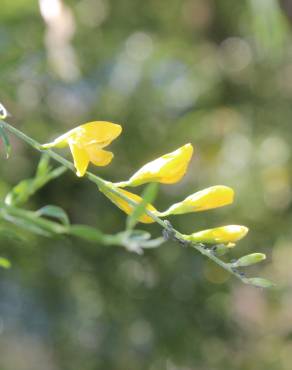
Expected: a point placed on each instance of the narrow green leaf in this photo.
(261, 282)
(29, 220)
(20, 193)
(249, 259)
(54, 212)
(45, 173)
(148, 196)
(138, 235)
(28, 225)
(5, 141)
(53, 175)
(43, 166)
(86, 232)
(153, 243)
(5, 263)
(137, 240)
(26, 188)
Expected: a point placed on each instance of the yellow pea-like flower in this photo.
(168, 169)
(125, 206)
(86, 143)
(212, 197)
(224, 234)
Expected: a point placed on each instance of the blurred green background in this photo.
(217, 74)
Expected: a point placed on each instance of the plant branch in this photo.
(175, 234)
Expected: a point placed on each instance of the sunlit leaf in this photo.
(5, 263)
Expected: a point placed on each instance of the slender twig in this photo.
(202, 248)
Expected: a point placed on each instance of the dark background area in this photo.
(217, 74)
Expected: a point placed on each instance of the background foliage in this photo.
(214, 73)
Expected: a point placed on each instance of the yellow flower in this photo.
(125, 206)
(213, 197)
(224, 234)
(168, 169)
(86, 143)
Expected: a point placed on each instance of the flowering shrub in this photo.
(86, 143)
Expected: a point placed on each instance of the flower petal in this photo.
(98, 156)
(98, 132)
(80, 157)
(168, 169)
(125, 206)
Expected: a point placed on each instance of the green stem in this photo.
(111, 187)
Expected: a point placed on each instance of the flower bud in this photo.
(249, 259)
(168, 169)
(125, 206)
(213, 197)
(260, 282)
(224, 234)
